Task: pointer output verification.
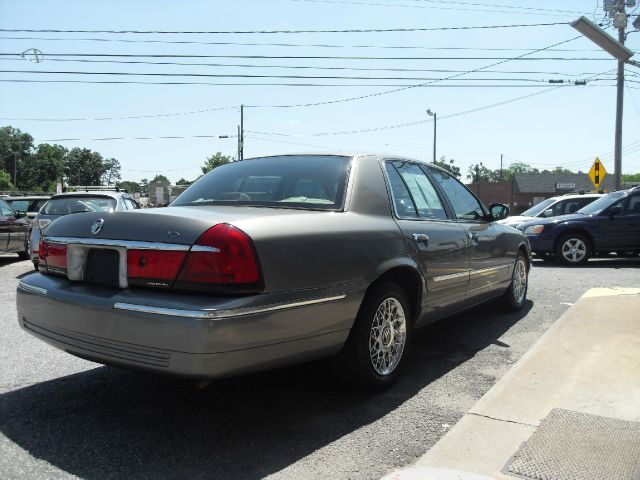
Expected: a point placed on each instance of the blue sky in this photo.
(565, 125)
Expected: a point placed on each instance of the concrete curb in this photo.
(588, 361)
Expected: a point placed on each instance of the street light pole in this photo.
(435, 124)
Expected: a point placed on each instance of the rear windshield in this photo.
(294, 181)
(78, 204)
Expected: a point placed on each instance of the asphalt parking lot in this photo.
(63, 417)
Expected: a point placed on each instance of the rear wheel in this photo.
(513, 299)
(24, 255)
(378, 343)
(573, 249)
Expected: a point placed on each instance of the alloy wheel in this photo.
(387, 336)
(574, 250)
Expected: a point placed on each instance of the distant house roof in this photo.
(549, 182)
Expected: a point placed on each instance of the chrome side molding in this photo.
(213, 314)
(32, 289)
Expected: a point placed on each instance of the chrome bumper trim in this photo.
(218, 314)
(31, 289)
(491, 269)
(129, 244)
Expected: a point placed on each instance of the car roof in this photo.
(90, 193)
(29, 197)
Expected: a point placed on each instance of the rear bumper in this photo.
(188, 335)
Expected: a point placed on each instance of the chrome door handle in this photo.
(472, 236)
(420, 237)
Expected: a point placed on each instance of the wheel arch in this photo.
(408, 277)
(576, 230)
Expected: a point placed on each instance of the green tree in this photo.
(159, 178)
(129, 186)
(84, 167)
(13, 142)
(561, 170)
(215, 161)
(144, 185)
(44, 169)
(630, 178)
(479, 173)
(183, 181)
(449, 166)
(521, 167)
(5, 181)
(112, 173)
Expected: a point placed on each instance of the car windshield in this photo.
(293, 181)
(78, 204)
(538, 208)
(601, 204)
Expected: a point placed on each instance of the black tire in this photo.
(516, 295)
(573, 249)
(355, 363)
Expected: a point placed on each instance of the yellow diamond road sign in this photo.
(597, 173)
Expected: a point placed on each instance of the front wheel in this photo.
(573, 249)
(513, 299)
(378, 342)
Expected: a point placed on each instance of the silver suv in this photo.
(552, 207)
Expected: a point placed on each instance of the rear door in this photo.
(490, 260)
(433, 238)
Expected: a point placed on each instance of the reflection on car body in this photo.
(278, 260)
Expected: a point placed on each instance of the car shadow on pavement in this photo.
(9, 259)
(111, 423)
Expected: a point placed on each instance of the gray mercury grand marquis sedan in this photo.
(272, 261)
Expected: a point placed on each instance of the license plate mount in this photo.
(102, 267)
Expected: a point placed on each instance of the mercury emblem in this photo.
(97, 226)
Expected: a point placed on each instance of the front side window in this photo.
(292, 181)
(423, 195)
(465, 205)
(631, 205)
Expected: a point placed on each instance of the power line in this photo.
(459, 9)
(301, 77)
(100, 139)
(229, 32)
(448, 2)
(291, 45)
(313, 57)
(303, 67)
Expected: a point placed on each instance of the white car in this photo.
(552, 207)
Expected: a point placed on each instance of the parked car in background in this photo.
(28, 204)
(14, 231)
(609, 224)
(553, 207)
(76, 202)
(273, 261)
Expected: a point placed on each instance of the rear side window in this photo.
(78, 204)
(292, 181)
(465, 205)
(413, 193)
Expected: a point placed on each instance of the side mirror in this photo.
(615, 210)
(499, 211)
(20, 214)
(548, 213)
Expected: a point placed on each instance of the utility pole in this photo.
(501, 167)
(241, 135)
(15, 170)
(620, 21)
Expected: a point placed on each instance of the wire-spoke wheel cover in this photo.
(574, 250)
(387, 336)
(519, 280)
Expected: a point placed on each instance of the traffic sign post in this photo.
(597, 173)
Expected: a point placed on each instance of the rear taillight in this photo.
(53, 256)
(222, 260)
(153, 268)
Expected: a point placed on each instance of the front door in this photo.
(434, 240)
(621, 231)
(7, 218)
(489, 261)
